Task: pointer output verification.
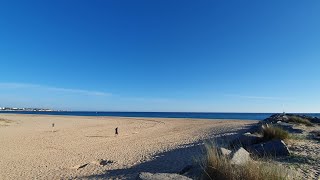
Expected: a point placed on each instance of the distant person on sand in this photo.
(116, 131)
(52, 127)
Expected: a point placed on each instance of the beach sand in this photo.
(32, 149)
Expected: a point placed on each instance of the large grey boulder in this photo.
(223, 151)
(272, 148)
(239, 157)
(161, 176)
(285, 118)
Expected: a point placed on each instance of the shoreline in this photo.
(32, 149)
(167, 115)
(128, 117)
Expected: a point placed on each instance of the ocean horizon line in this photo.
(107, 111)
(192, 115)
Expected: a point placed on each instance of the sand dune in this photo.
(86, 147)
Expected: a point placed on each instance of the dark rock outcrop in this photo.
(271, 148)
(245, 140)
(315, 135)
(275, 118)
(315, 120)
(288, 127)
(286, 118)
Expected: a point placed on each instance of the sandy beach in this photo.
(32, 149)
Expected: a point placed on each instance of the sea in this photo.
(196, 115)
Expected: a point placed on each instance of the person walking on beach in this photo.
(116, 131)
(52, 127)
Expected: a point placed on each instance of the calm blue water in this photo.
(243, 116)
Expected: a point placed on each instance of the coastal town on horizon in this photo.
(25, 109)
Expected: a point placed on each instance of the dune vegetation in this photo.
(218, 167)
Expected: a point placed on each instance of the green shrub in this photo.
(218, 167)
(299, 120)
(273, 132)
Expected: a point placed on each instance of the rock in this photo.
(101, 162)
(77, 167)
(245, 140)
(271, 148)
(316, 138)
(255, 128)
(315, 120)
(239, 157)
(316, 135)
(286, 118)
(160, 176)
(288, 127)
(224, 151)
(280, 123)
(274, 118)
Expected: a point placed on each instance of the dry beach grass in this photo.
(299, 133)
(31, 150)
(272, 132)
(219, 167)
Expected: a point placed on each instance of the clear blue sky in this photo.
(211, 56)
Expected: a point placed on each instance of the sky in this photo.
(181, 55)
